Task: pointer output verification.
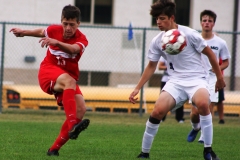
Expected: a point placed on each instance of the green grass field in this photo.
(27, 135)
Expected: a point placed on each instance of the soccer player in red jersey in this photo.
(59, 71)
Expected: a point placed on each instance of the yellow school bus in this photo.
(108, 99)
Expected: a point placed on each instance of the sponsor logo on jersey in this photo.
(214, 47)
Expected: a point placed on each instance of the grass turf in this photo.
(27, 134)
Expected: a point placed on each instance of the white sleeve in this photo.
(154, 51)
(162, 59)
(197, 41)
(224, 53)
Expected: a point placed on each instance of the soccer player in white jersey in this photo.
(187, 80)
(219, 47)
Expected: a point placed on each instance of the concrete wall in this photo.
(124, 11)
(224, 10)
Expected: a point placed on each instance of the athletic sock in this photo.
(149, 134)
(196, 126)
(78, 120)
(62, 137)
(207, 129)
(70, 107)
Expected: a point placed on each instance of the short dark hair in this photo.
(209, 13)
(71, 12)
(167, 7)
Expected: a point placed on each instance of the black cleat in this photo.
(78, 128)
(52, 153)
(221, 121)
(208, 154)
(143, 155)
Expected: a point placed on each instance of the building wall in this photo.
(135, 11)
(124, 11)
(33, 11)
(224, 10)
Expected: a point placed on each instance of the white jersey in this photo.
(165, 72)
(188, 64)
(219, 47)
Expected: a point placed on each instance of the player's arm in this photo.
(162, 66)
(38, 32)
(69, 48)
(213, 60)
(224, 64)
(148, 72)
(66, 47)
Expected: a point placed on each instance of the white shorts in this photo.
(183, 90)
(211, 84)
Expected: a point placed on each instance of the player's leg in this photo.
(213, 95)
(81, 110)
(63, 137)
(162, 85)
(220, 107)
(201, 138)
(60, 141)
(66, 84)
(201, 100)
(179, 114)
(211, 107)
(195, 122)
(164, 103)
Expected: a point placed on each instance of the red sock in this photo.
(62, 137)
(78, 120)
(70, 107)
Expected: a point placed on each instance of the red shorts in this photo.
(47, 77)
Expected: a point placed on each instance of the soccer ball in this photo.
(173, 41)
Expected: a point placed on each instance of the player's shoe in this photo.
(200, 140)
(208, 154)
(221, 121)
(143, 155)
(192, 135)
(52, 153)
(78, 128)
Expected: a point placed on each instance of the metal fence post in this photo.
(2, 61)
(143, 62)
(234, 46)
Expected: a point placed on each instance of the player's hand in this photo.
(220, 84)
(132, 95)
(46, 41)
(17, 32)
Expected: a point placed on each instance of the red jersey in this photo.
(55, 56)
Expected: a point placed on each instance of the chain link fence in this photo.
(109, 69)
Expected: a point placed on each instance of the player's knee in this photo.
(203, 107)
(158, 113)
(81, 109)
(70, 83)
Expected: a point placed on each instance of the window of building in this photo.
(83, 78)
(99, 78)
(87, 78)
(95, 11)
(182, 12)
